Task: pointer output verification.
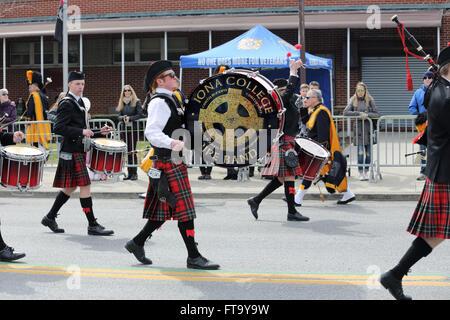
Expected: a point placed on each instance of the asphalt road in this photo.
(338, 254)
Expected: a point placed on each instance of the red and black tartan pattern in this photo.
(179, 185)
(78, 176)
(431, 218)
(276, 165)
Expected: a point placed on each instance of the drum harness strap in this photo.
(66, 158)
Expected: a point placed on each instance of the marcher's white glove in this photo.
(363, 115)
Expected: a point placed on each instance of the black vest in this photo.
(175, 121)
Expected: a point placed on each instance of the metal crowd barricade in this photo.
(133, 134)
(345, 129)
(395, 134)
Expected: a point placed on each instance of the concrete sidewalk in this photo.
(396, 184)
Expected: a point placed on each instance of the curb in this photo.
(217, 195)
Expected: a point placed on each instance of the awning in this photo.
(316, 20)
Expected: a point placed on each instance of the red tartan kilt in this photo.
(179, 185)
(276, 165)
(77, 177)
(431, 218)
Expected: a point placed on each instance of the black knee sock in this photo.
(188, 234)
(273, 185)
(60, 200)
(86, 204)
(148, 229)
(419, 249)
(2, 243)
(289, 191)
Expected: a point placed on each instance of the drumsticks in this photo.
(298, 47)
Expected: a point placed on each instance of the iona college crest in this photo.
(249, 44)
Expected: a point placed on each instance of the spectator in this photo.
(304, 88)
(362, 104)
(314, 85)
(416, 107)
(8, 111)
(130, 110)
(20, 106)
(51, 115)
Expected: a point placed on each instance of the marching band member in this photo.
(7, 253)
(169, 195)
(279, 166)
(37, 105)
(72, 123)
(430, 222)
(321, 129)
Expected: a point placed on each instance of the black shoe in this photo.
(138, 252)
(134, 177)
(127, 178)
(7, 254)
(51, 224)
(346, 201)
(201, 263)
(99, 230)
(394, 286)
(295, 203)
(207, 177)
(253, 207)
(296, 217)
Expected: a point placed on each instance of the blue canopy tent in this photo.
(260, 48)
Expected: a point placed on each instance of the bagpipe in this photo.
(421, 120)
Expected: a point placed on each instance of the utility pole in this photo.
(65, 48)
(301, 35)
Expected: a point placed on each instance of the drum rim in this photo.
(309, 140)
(102, 147)
(22, 157)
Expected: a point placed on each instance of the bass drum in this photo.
(233, 118)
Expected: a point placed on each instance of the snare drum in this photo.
(21, 167)
(312, 157)
(107, 156)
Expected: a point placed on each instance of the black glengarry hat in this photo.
(75, 75)
(156, 68)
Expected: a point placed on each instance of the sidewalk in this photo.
(396, 184)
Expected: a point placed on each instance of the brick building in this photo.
(153, 30)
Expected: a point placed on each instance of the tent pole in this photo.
(181, 78)
(210, 47)
(348, 64)
(331, 91)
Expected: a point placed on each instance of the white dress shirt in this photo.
(158, 115)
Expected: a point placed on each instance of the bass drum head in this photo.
(312, 147)
(235, 116)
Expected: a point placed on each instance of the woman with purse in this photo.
(362, 104)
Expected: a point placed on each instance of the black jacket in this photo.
(321, 130)
(291, 116)
(437, 102)
(70, 122)
(6, 138)
(135, 113)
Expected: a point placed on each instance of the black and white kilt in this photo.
(180, 187)
(276, 165)
(78, 176)
(431, 218)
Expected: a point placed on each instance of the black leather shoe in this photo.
(7, 254)
(142, 195)
(295, 203)
(99, 230)
(394, 286)
(296, 217)
(201, 263)
(134, 177)
(52, 225)
(138, 252)
(253, 207)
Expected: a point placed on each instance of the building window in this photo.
(20, 53)
(74, 51)
(150, 49)
(130, 49)
(97, 52)
(176, 47)
(48, 52)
